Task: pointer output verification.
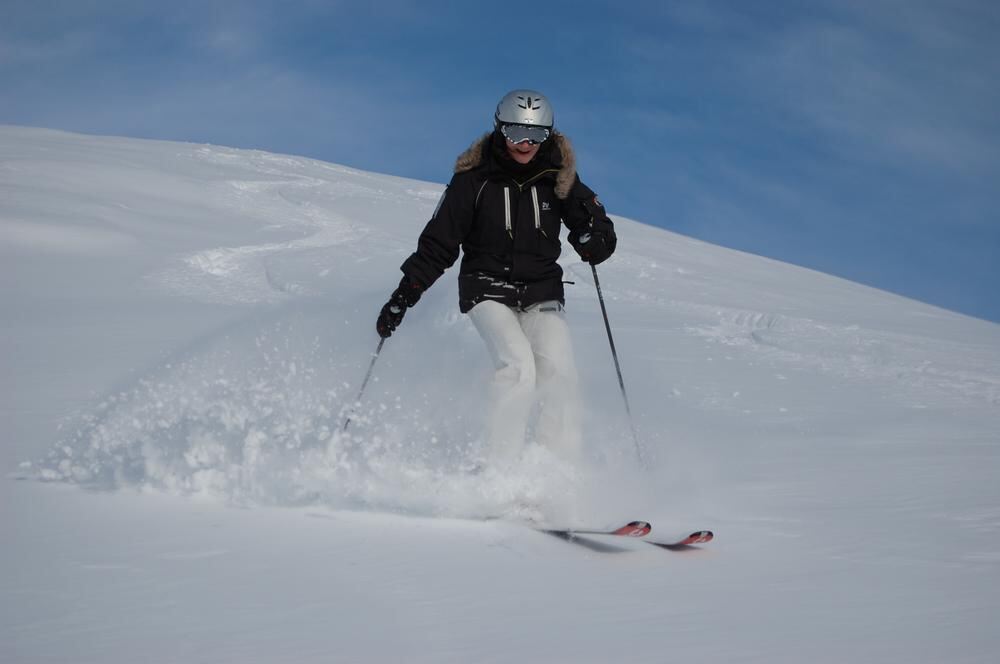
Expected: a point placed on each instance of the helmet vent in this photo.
(529, 103)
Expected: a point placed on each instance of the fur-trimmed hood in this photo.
(477, 153)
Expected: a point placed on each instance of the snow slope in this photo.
(185, 327)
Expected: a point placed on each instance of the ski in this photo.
(631, 529)
(682, 543)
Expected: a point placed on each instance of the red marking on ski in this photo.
(631, 529)
(634, 529)
(697, 537)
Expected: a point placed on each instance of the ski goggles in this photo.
(519, 133)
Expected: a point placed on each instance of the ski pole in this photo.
(364, 383)
(618, 369)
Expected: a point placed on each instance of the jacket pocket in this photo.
(545, 216)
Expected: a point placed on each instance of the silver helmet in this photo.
(524, 107)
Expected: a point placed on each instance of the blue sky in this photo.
(856, 137)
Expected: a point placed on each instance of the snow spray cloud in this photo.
(258, 422)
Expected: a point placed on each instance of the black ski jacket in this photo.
(506, 218)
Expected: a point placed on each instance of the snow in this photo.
(185, 328)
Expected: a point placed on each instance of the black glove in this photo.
(595, 246)
(404, 297)
(595, 241)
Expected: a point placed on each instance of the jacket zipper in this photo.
(506, 211)
(538, 214)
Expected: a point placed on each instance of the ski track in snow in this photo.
(290, 202)
(847, 350)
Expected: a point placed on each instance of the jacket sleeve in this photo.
(584, 214)
(439, 243)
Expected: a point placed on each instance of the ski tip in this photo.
(686, 543)
(634, 529)
(698, 537)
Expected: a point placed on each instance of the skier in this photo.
(510, 191)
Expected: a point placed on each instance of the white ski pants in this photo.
(533, 356)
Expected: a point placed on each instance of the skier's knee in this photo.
(518, 374)
(518, 367)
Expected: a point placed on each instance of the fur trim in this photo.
(476, 154)
(567, 172)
